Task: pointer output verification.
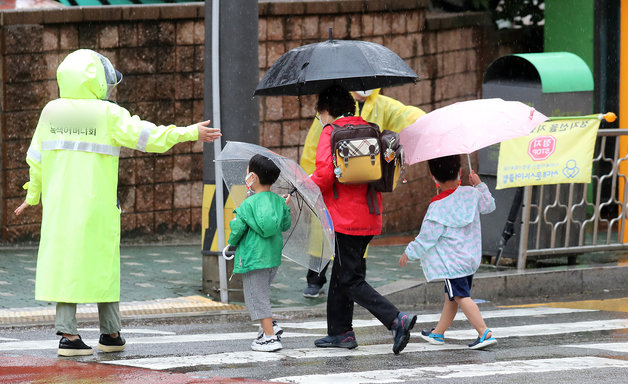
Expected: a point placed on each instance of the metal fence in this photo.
(571, 219)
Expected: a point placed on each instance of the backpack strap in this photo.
(371, 200)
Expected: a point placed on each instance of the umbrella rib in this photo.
(294, 226)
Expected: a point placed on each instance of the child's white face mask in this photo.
(249, 180)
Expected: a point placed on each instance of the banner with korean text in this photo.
(558, 151)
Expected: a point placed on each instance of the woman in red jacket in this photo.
(355, 226)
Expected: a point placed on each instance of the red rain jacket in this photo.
(349, 212)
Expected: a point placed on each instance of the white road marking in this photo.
(434, 317)
(461, 370)
(132, 331)
(542, 329)
(248, 357)
(615, 347)
(6, 339)
(167, 339)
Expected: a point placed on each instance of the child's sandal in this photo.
(483, 342)
(432, 338)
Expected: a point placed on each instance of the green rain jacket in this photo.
(384, 111)
(73, 159)
(256, 230)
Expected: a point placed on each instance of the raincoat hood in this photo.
(455, 210)
(85, 74)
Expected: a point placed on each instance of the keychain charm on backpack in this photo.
(337, 172)
(389, 155)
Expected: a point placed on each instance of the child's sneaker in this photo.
(432, 338)
(483, 342)
(266, 344)
(276, 330)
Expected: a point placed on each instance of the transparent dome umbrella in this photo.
(310, 240)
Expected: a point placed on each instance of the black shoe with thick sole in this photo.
(111, 344)
(345, 340)
(76, 347)
(401, 331)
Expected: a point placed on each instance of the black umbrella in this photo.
(355, 65)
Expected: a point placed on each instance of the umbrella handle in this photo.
(224, 253)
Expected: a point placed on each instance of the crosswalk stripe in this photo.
(132, 331)
(243, 357)
(499, 332)
(169, 339)
(615, 347)
(247, 357)
(542, 329)
(461, 371)
(434, 317)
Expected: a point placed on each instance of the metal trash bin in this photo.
(556, 84)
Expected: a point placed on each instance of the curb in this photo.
(501, 287)
(188, 305)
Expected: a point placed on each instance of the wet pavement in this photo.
(166, 279)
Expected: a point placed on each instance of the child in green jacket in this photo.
(256, 231)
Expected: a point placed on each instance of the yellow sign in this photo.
(558, 151)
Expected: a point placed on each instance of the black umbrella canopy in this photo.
(355, 65)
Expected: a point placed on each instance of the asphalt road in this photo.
(536, 344)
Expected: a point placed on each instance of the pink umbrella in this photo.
(465, 127)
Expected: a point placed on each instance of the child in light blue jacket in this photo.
(449, 246)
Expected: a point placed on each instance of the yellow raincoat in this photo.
(73, 159)
(384, 111)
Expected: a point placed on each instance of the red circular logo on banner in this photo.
(542, 147)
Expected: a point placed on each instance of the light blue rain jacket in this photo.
(449, 244)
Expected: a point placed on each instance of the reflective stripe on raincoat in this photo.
(73, 159)
(384, 111)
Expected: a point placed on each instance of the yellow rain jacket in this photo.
(384, 111)
(73, 159)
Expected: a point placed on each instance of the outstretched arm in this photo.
(132, 132)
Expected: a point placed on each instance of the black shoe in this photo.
(346, 340)
(401, 331)
(111, 344)
(76, 347)
(312, 290)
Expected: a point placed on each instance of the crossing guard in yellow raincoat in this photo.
(73, 159)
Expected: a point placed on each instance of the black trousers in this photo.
(348, 286)
(316, 278)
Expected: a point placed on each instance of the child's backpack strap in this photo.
(371, 200)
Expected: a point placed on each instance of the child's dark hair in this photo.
(445, 168)
(337, 101)
(264, 168)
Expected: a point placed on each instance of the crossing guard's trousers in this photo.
(108, 316)
(347, 285)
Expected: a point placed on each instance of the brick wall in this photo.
(160, 49)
